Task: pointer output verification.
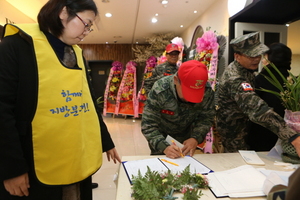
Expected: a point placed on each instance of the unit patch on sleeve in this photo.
(247, 87)
(168, 112)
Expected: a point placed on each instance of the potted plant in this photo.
(289, 93)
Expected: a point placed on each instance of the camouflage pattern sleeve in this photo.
(238, 103)
(151, 124)
(259, 112)
(205, 117)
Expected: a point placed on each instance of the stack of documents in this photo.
(243, 181)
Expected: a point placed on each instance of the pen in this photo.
(169, 162)
(180, 149)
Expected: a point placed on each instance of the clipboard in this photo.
(156, 164)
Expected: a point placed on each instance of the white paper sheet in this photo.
(169, 139)
(251, 157)
(243, 181)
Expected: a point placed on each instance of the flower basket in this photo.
(127, 103)
(142, 95)
(112, 87)
(207, 53)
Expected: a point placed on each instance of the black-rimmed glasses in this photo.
(87, 27)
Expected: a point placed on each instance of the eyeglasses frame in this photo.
(87, 27)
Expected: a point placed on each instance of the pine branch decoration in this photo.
(156, 48)
(156, 186)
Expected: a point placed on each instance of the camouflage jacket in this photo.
(162, 70)
(164, 114)
(238, 103)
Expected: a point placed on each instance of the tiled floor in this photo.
(128, 139)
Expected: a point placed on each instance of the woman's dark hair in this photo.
(48, 17)
(280, 55)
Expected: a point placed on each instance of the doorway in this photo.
(99, 74)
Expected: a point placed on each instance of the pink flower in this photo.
(208, 41)
(183, 190)
(117, 66)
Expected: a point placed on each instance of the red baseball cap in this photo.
(172, 47)
(193, 76)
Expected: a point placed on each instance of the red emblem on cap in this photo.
(198, 84)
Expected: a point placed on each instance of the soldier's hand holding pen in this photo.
(173, 151)
(190, 146)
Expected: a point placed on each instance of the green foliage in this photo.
(100, 102)
(154, 185)
(289, 92)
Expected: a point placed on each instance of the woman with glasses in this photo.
(52, 134)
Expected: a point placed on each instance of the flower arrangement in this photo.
(116, 70)
(129, 81)
(205, 47)
(289, 93)
(207, 53)
(155, 185)
(150, 65)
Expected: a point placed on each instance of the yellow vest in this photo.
(66, 135)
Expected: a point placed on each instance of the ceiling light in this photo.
(154, 20)
(108, 15)
(181, 26)
(156, 14)
(195, 11)
(235, 6)
(287, 25)
(164, 2)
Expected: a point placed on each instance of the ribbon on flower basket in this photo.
(142, 96)
(112, 87)
(126, 99)
(207, 53)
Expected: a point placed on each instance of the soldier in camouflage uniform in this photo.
(182, 106)
(238, 103)
(165, 69)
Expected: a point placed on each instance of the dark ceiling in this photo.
(266, 12)
(270, 12)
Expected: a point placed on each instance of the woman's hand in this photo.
(18, 186)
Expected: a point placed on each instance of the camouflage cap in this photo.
(249, 45)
